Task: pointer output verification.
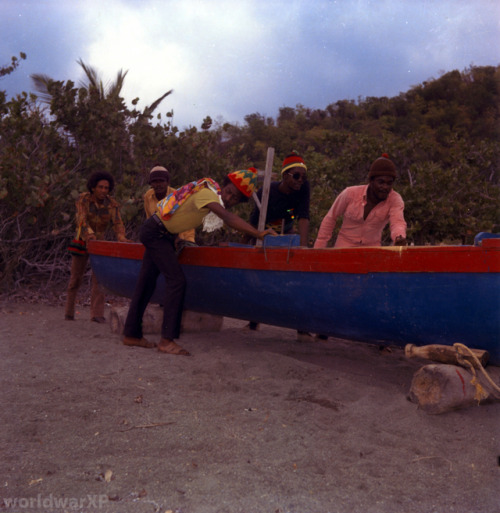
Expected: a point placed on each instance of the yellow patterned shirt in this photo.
(150, 202)
(192, 212)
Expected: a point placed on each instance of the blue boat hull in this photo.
(380, 307)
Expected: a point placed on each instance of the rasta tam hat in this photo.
(383, 166)
(159, 173)
(291, 161)
(245, 180)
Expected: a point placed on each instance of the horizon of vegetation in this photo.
(442, 135)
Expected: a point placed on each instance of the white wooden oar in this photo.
(265, 193)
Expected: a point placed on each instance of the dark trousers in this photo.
(159, 257)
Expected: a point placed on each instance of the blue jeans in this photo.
(159, 258)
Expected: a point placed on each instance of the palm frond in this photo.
(149, 110)
(93, 80)
(41, 83)
(115, 88)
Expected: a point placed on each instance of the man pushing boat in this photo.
(202, 202)
(366, 210)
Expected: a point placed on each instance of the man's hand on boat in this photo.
(269, 231)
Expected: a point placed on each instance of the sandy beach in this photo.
(254, 421)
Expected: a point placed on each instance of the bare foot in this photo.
(141, 342)
(170, 347)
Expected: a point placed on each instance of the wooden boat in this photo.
(389, 295)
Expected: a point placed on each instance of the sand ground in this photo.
(252, 422)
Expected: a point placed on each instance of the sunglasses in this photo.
(298, 176)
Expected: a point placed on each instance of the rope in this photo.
(480, 392)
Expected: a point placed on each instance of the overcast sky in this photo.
(228, 59)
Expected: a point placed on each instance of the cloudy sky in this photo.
(231, 58)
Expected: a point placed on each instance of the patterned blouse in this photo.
(94, 218)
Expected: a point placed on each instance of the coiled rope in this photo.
(481, 393)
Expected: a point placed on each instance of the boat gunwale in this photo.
(411, 259)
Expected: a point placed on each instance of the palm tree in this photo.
(94, 83)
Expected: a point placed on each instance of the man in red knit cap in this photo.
(288, 200)
(366, 210)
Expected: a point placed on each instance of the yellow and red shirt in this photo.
(150, 207)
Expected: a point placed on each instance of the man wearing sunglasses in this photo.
(288, 200)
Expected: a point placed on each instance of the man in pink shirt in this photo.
(366, 210)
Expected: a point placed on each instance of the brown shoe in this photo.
(141, 342)
(100, 320)
(69, 317)
(170, 347)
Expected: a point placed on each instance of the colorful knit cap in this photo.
(168, 205)
(291, 161)
(159, 173)
(245, 180)
(383, 166)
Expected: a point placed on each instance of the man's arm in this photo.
(149, 203)
(397, 221)
(330, 220)
(303, 225)
(236, 222)
(82, 212)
